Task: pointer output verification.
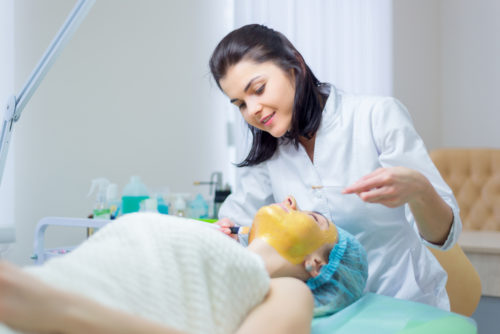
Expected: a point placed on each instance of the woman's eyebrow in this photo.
(250, 83)
(247, 86)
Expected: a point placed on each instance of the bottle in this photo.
(149, 205)
(180, 205)
(101, 208)
(133, 193)
(198, 208)
(114, 201)
(162, 205)
(162, 199)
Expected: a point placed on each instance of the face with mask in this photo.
(294, 234)
(307, 246)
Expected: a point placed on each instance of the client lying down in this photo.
(151, 273)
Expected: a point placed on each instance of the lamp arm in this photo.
(7, 124)
(56, 46)
(15, 105)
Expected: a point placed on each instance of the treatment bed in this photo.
(372, 313)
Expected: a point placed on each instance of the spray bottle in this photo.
(180, 205)
(198, 208)
(101, 208)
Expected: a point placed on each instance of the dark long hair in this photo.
(260, 44)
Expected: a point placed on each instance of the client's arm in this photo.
(287, 309)
(29, 305)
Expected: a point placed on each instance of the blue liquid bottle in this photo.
(133, 193)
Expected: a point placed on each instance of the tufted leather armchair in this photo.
(474, 177)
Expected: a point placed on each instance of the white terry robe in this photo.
(168, 269)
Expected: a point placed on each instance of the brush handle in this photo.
(239, 229)
(234, 229)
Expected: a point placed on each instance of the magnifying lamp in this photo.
(16, 104)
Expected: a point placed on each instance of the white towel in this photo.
(168, 269)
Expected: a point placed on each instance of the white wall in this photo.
(470, 70)
(130, 95)
(417, 77)
(6, 90)
(446, 69)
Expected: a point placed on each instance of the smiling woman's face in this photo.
(263, 93)
(293, 233)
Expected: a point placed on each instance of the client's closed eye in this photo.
(314, 216)
(324, 222)
(320, 219)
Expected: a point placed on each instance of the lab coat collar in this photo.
(330, 111)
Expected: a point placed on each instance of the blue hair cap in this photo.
(340, 282)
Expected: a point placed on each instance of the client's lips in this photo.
(266, 119)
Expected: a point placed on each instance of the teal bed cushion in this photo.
(377, 314)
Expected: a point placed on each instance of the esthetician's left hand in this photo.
(392, 186)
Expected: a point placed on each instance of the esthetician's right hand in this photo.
(225, 224)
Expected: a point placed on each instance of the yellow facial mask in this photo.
(293, 234)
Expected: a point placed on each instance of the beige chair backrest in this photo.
(474, 177)
(464, 285)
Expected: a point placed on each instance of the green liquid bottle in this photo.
(133, 193)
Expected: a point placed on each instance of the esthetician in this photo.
(357, 160)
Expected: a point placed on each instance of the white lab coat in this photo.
(357, 135)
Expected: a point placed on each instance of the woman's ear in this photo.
(313, 264)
